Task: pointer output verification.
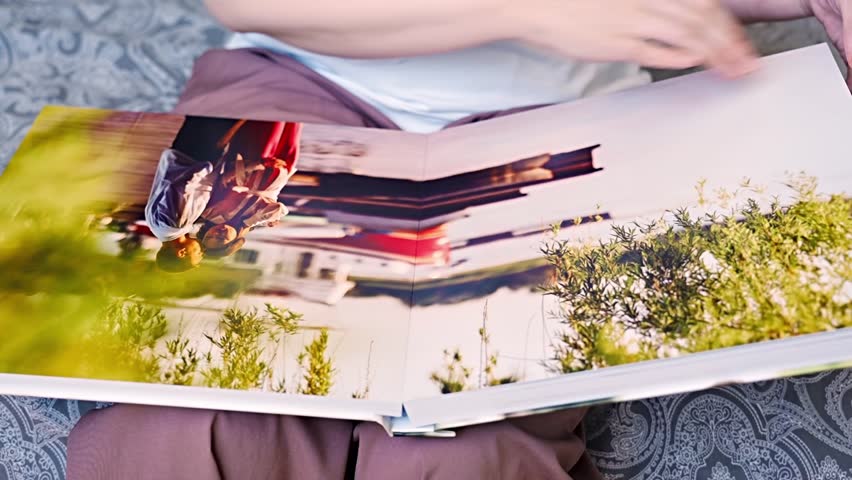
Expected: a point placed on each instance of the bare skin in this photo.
(184, 247)
(219, 236)
(658, 33)
(654, 33)
(835, 16)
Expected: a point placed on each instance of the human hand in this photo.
(228, 176)
(672, 34)
(836, 17)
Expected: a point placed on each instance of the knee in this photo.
(83, 449)
(121, 441)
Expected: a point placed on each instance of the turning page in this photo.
(618, 236)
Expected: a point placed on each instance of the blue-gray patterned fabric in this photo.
(136, 55)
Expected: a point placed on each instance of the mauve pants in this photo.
(142, 442)
(132, 442)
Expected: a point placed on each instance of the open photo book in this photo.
(668, 238)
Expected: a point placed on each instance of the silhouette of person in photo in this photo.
(246, 197)
(225, 174)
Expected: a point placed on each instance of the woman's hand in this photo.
(655, 33)
(836, 17)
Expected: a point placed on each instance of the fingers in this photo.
(846, 17)
(735, 54)
(655, 55)
(703, 28)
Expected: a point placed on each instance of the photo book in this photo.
(668, 238)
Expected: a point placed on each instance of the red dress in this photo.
(261, 158)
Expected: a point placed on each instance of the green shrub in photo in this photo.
(662, 289)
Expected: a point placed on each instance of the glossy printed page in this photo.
(209, 252)
(686, 216)
(367, 266)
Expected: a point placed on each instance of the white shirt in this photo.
(425, 93)
(179, 195)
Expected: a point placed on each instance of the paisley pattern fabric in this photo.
(793, 429)
(136, 55)
(32, 436)
(119, 54)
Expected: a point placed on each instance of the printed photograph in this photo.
(346, 262)
(214, 252)
(634, 249)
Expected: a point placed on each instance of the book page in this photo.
(270, 257)
(685, 216)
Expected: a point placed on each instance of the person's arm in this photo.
(372, 28)
(265, 214)
(657, 33)
(835, 16)
(768, 10)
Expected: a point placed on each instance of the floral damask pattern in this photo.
(136, 55)
(120, 54)
(32, 436)
(792, 429)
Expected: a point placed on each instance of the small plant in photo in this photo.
(454, 376)
(364, 392)
(238, 343)
(318, 369)
(129, 342)
(241, 344)
(180, 363)
(488, 360)
(124, 339)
